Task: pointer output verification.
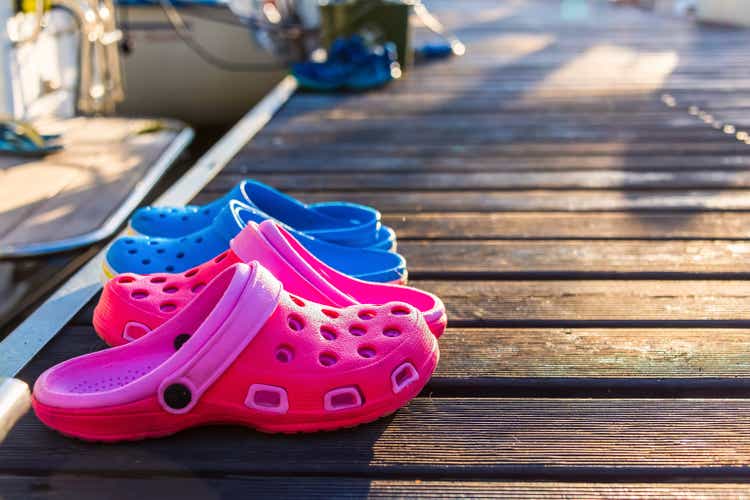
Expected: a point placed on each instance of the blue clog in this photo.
(342, 223)
(144, 255)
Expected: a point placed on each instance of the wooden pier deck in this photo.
(576, 189)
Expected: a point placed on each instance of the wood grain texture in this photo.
(294, 162)
(449, 181)
(576, 258)
(610, 302)
(282, 487)
(458, 437)
(534, 200)
(562, 225)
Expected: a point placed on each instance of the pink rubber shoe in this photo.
(245, 352)
(131, 305)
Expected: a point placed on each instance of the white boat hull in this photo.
(164, 77)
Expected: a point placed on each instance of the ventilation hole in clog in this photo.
(220, 257)
(134, 330)
(327, 359)
(366, 351)
(295, 322)
(297, 300)
(160, 250)
(125, 279)
(167, 307)
(197, 288)
(267, 398)
(400, 311)
(169, 269)
(357, 330)
(146, 262)
(180, 340)
(162, 216)
(184, 218)
(330, 313)
(153, 242)
(180, 255)
(206, 211)
(328, 333)
(403, 376)
(158, 279)
(391, 332)
(170, 289)
(342, 399)
(192, 273)
(129, 242)
(139, 294)
(199, 239)
(132, 251)
(284, 353)
(366, 314)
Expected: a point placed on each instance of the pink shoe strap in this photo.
(214, 348)
(271, 248)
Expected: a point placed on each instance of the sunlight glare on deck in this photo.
(609, 70)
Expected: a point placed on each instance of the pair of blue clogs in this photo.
(346, 236)
(351, 65)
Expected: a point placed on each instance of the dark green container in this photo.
(381, 20)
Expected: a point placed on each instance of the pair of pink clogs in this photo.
(264, 335)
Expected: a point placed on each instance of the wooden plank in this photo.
(607, 362)
(593, 302)
(294, 162)
(478, 124)
(280, 487)
(564, 225)
(577, 258)
(457, 437)
(532, 200)
(455, 146)
(499, 181)
(440, 102)
(364, 135)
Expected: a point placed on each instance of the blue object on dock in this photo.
(144, 255)
(342, 223)
(21, 139)
(431, 51)
(351, 65)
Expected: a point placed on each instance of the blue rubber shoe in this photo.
(431, 51)
(346, 224)
(381, 67)
(145, 255)
(351, 65)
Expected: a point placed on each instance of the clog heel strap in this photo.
(219, 349)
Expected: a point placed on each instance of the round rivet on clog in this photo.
(177, 396)
(181, 339)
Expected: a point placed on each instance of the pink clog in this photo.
(131, 305)
(245, 352)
